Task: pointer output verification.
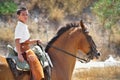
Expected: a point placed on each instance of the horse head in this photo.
(63, 49)
(86, 44)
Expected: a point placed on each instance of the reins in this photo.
(68, 53)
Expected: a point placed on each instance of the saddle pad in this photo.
(24, 66)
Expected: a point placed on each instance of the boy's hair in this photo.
(21, 9)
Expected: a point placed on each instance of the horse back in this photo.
(3, 61)
(5, 72)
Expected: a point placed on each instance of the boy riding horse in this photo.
(22, 42)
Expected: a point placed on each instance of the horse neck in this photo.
(63, 63)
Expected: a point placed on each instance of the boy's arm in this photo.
(18, 45)
(33, 41)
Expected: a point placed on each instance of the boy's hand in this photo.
(20, 57)
(39, 42)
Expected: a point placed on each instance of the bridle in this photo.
(90, 54)
(69, 53)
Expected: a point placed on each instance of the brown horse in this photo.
(68, 40)
(6, 74)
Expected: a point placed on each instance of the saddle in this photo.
(18, 67)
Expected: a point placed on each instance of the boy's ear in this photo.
(18, 15)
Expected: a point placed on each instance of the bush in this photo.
(7, 7)
(108, 12)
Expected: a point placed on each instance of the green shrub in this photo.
(108, 12)
(7, 7)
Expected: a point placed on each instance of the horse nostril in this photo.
(98, 53)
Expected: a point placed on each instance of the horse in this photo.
(6, 73)
(63, 50)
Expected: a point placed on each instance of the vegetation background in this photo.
(102, 17)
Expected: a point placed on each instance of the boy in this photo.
(22, 41)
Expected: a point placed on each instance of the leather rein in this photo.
(68, 53)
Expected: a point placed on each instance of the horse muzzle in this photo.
(93, 55)
(97, 55)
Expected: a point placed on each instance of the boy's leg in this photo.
(35, 66)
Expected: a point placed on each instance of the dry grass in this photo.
(7, 34)
(58, 9)
(55, 10)
(56, 14)
(116, 33)
(107, 73)
(39, 30)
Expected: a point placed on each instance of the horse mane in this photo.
(60, 32)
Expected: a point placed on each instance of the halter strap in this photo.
(91, 43)
(68, 53)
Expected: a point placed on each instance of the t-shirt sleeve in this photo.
(18, 32)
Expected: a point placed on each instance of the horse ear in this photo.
(82, 25)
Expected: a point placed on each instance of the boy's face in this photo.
(23, 16)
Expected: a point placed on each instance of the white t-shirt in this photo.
(22, 32)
